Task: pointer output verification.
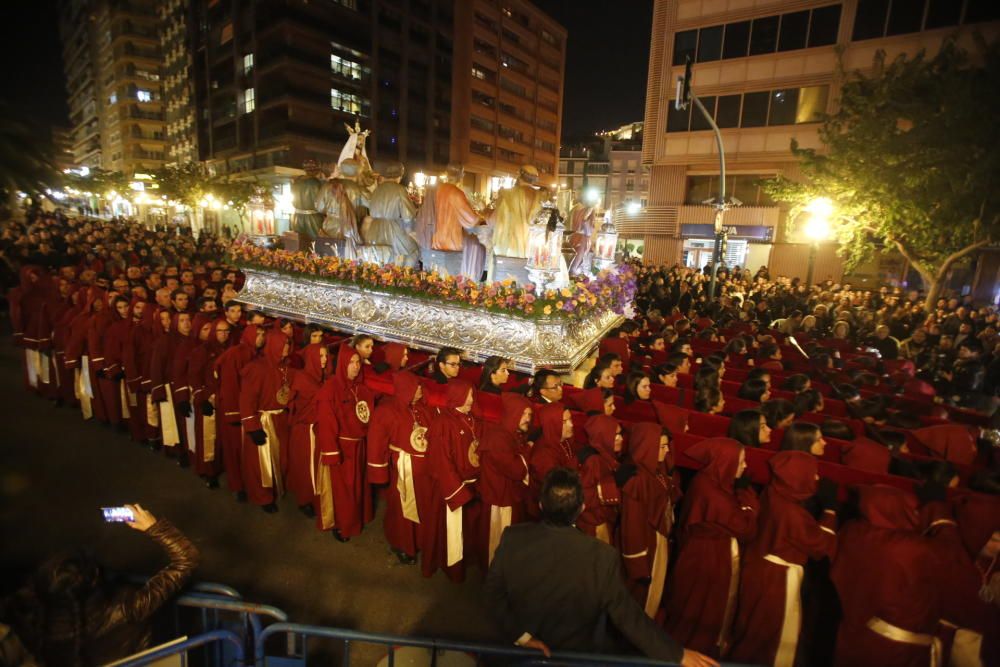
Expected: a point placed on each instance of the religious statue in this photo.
(581, 225)
(392, 213)
(354, 149)
(307, 220)
(345, 205)
(515, 209)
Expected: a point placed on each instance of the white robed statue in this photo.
(354, 149)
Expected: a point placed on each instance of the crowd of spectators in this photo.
(724, 451)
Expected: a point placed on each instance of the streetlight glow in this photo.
(817, 227)
(633, 208)
(591, 196)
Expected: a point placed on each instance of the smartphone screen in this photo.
(118, 514)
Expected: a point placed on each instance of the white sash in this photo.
(500, 518)
(453, 524)
(208, 436)
(123, 393)
(404, 484)
(168, 420)
(189, 427)
(792, 620)
(31, 363)
(87, 385)
(657, 576)
(81, 394)
(269, 454)
(44, 363)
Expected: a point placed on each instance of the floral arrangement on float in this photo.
(612, 289)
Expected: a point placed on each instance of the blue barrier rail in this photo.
(521, 656)
(209, 638)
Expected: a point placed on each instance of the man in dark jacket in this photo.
(550, 585)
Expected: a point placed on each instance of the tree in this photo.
(26, 156)
(186, 183)
(99, 182)
(910, 160)
(238, 192)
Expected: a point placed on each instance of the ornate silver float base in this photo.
(532, 344)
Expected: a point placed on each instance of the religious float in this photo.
(355, 265)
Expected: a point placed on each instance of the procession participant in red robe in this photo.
(344, 406)
(160, 327)
(715, 518)
(970, 579)
(227, 369)
(180, 388)
(453, 522)
(447, 365)
(391, 357)
(204, 387)
(134, 357)
(952, 442)
(76, 353)
(25, 303)
(769, 619)
(598, 462)
(61, 334)
(96, 326)
(888, 578)
(112, 378)
(265, 388)
(867, 455)
(648, 494)
(302, 454)
(397, 451)
(594, 401)
(554, 449)
(58, 302)
(503, 473)
(161, 391)
(671, 416)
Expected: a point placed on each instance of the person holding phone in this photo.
(72, 613)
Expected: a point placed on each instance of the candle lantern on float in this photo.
(605, 245)
(545, 238)
(261, 215)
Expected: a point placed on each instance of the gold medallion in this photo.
(362, 411)
(418, 438)
(474, 453)
(283, 394)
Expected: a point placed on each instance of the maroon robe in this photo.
(867, 455)
(647, 517)
(397, 455)
(551, 450)
(503, 474)
(96, 327)
(771, 578)
(227, 370)
(341, 450)
(138, 345)
(264, 466)
(598, 463)
(715, 518)
(206, 456)
(886, 573)
(302, 454)
(180, 390)
(453, 457)
(113, 351)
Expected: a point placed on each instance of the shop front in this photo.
(746, 246)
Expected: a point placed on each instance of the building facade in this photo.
(180, 114)
(766, 71)
(112, 60)
(508, 91)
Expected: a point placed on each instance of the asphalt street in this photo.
(56, 471)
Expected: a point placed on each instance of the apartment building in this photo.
(766, 71)
(508, 91)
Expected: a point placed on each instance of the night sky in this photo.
(606, 62)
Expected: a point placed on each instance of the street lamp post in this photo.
(817, 229)
(683, 97)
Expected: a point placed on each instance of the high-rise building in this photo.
(767, 72)
(508, 91)
(112, 61)
(76, 31)
(176, 22)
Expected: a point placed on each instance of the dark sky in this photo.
(606, 61)
(31, 76)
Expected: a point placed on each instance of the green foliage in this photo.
(239, 192)
(185, 183)
(910, 159)
(26, 157)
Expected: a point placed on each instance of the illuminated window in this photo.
(812, 104)
(344, 101)
(144, 96)
(248, 63)
(249, 100)
(344, 67)
(113, 98)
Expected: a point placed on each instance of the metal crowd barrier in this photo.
(215, 639)
(298, 652)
